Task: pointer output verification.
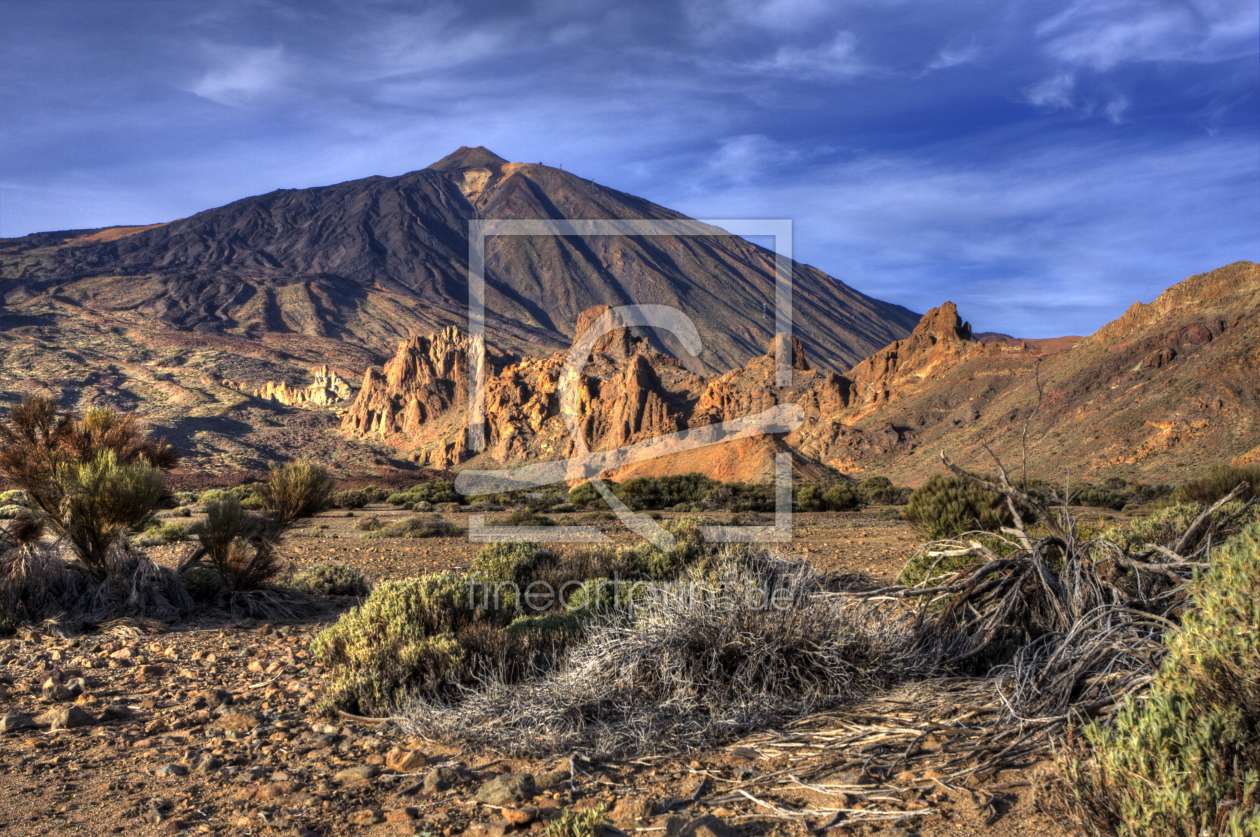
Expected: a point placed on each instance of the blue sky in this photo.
(1042, 164)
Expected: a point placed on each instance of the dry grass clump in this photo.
(727, 650)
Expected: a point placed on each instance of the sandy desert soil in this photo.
(214, 730)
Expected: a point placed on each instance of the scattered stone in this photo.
(405, 761)
(551, 778)
(633, 810)
(508, 789)
(151, 672)
(703, 827)
(53, 690)
(66, 717)
(368, 816)
(17, 721)
(441, 778)
(207, 764)
(402, 815)
(76, 686)
(239, 721)
(172, 770)
(520, 816)
(215, 697)
(356, 774)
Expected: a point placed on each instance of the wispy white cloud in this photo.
(1100, 34)
(955, 56)
(243, 75)
(836, 58)
(1054, 92)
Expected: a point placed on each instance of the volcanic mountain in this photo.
(369, 262)
(235, 330)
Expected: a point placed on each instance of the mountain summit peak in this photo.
(468, 158)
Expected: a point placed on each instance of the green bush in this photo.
(880, 491)
(369, 524)
(353, 499)
(332, 579)
(525, 517)
(837, 496)
(1164, 526)
(1092, 495)
(575, 823)
(500, 570)
(944, 507)
(418, 637)
(1207, 490)
(203, 583)
(1186, 760)
(296, 490)
(376, 494)
(431, 526)
(585, 496)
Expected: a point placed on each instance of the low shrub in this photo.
(11, 512)
(525, 517)
(332, 579)
(880, 491)
(1222, 480)
(162, 534)
(203, 583)
(418, 638)
(944, 507)
(15, 497)
(369, 524)
(353, 499)
(1163, 526)
(1092, 495)
(240, 545)
(1186, 760)
(431, 526)
(588, 822)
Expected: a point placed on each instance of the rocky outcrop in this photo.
(939, 342)
(427, 377)
(1138, 397)
(327, 390)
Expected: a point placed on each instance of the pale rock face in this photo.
(327, 390)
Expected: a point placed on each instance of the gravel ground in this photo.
(213, 729)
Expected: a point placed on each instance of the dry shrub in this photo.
(37, 584)
(241, 546)
(1222, 479)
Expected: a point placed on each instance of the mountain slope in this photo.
(371, 261)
